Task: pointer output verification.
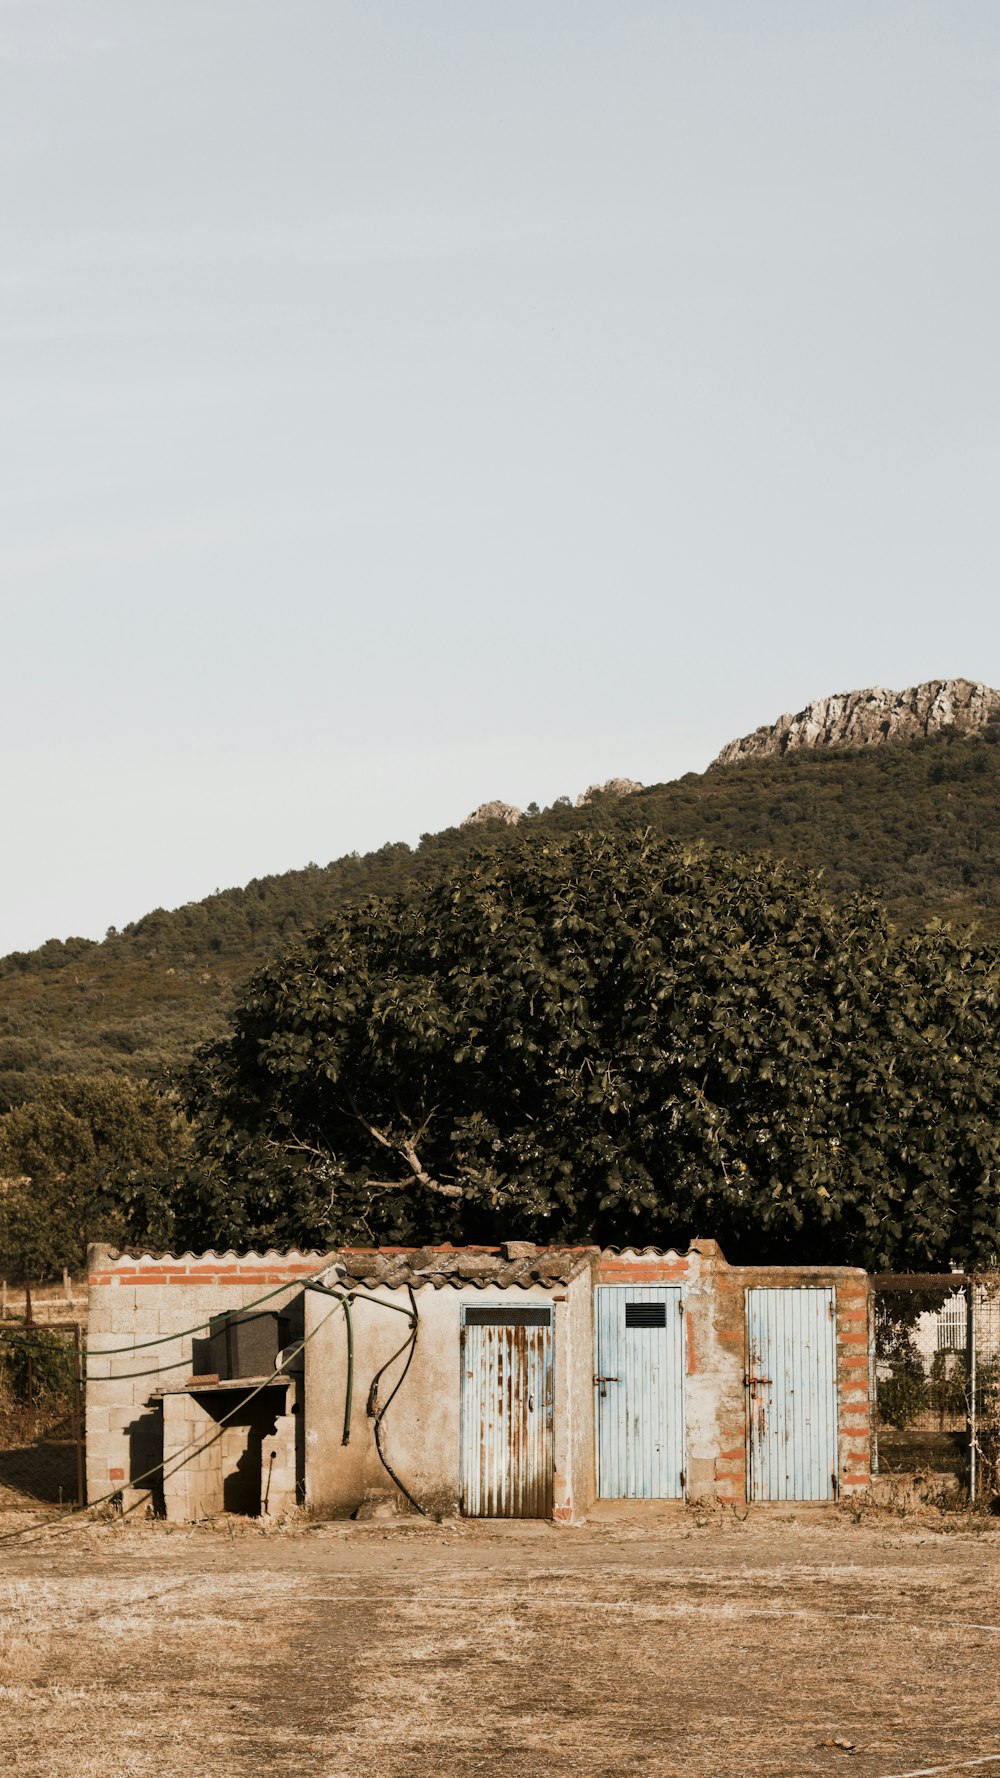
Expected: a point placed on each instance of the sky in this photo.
(403, 406)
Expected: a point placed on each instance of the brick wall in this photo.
(714, 1296)
(851, 1298)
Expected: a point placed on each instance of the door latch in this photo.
(750, 1382)
(602, 1383)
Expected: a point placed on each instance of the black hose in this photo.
(349, 1392)
(377, 1414)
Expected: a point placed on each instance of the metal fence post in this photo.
(970, 1349)
(31, 1369)
(81, 1487)
(872, 1380)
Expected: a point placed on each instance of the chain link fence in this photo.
(935, 1363)
(41, 1414)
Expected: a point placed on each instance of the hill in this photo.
(919, 822)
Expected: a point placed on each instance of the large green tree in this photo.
(609, 1037)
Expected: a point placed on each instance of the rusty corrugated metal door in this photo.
(507, 1454)
(639, 1378)
(791, 1385)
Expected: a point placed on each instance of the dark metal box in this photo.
(245, 1345)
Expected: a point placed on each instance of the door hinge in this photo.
(684, 1480)
(680, 1306)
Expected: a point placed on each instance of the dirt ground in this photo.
(688, 1644)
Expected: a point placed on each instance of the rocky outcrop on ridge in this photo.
(510, 816)
(611, 787)
(495, 811)
(870, 718)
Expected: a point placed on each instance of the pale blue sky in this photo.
(406, 405)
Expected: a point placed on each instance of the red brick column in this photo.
(852, 1383)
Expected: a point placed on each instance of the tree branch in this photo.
(375, 1185)
(408, 1153)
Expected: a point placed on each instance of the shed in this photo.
(511, 1381)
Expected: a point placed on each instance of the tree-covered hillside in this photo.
(920, 823)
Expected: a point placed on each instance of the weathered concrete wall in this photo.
(422, 1429)
(135, 1300)
(714, 1297)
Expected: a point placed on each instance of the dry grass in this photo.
(694, 1646)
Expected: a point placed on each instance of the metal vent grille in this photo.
(497, 1316)
(645, 1314)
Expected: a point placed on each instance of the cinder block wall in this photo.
(714, 1296)
(137, 1298)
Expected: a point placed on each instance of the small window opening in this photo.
(645, 1314)
(498, 1316)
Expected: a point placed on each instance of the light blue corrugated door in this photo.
(507, 1453)
(791, 1385)
(639, 1379)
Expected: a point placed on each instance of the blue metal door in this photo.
(791, 1384)
(507, 1455)
(639, 1379)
